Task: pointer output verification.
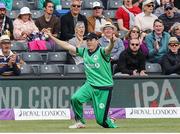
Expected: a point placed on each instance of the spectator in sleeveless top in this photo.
(24, 25)
(6, 24)
(171, 61)
(145, 19)
(97, 20)
(69, 20)
(125, 15)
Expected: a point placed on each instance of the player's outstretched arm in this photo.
(109, 48)
(61, 43)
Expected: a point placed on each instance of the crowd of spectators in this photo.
(152, 27)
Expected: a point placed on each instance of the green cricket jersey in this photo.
(97, 67)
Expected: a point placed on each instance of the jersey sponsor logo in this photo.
(95, 57)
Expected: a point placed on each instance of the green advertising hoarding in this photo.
(56, 93)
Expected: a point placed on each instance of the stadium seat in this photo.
(87, 13)
(109, 14)
(56, 57)
(153, 68)
(57, 48)
(29, 69)
(73, 70)
(49, 70)
(18, 46)
(32, 4)
(87, 4)
(114, 4)
(32, 58)
(66, 4)
(18, 4)
(37, 13)
(12, 14)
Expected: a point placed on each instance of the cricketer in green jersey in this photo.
(99, 83)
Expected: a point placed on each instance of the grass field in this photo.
(61, 126)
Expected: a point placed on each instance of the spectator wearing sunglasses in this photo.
(171, 61)
(145, 19)
(131, 61)
(69, 20)
(97, 20)
(169, 17)
(135, 33)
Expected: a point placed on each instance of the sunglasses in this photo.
(135, 31)
(168, 9)
(78, 6)
(150, 5)
(134, 44)
(97, 8)
(174, 45)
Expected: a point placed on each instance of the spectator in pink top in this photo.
(24, 25)
(125, 15)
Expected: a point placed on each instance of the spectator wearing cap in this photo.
(9, 62)
(169, 17)
(24, 25)
(160, 10)
(145, 19)
(175, 30)
(125, 15)
(69, 20)
(48, 20)
(6, 24)
(157, 42)
(171, 61)
(108, 30)
(131, 61)
(97, 20)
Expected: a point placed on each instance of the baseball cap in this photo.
(90, 36)
(147, 2)
(2, 5)
(173, 40)
(97, 4)
(168, 6)
(5, 39)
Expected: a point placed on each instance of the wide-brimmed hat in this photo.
(25, 10)
(90, 36)
(108, 24)
(97, 4)
(2, 5)
(173, 40)
(5, 39)
(147, 2)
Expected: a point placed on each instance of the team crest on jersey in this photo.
(95, 57)
(101, 105)
(97, 65)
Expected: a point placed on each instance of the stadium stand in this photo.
(50, 69)
(153, 68)
(29, 69)
(56, 57)
(12, 14)
(87, 13)
(73, 70)
(18, 4)
(114, 4)
(19, 47)
(87, 4)
(65, 4)
(32, 58)
(37, 13)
